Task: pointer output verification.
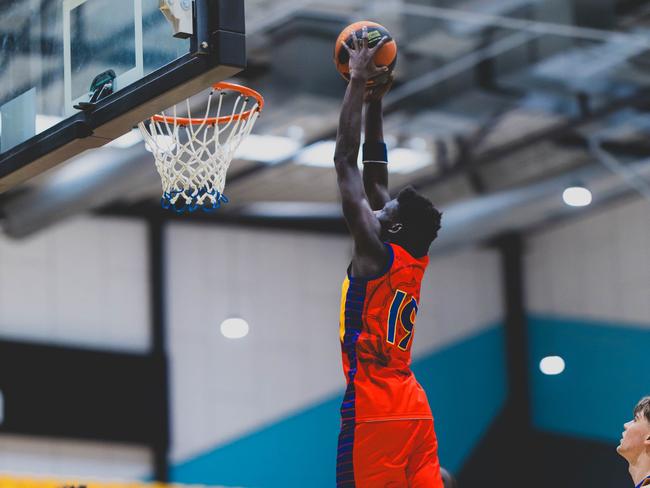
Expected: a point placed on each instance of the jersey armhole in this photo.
(386, 269)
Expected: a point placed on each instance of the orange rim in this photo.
(224, 119)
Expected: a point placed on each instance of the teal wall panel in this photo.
(606, 374)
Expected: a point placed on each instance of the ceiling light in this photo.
(295, 132)
(401, 160)
(234, 328)
(552, 365)
(404, 161)
(164, 142)
(417, 143)
(577, 196)
(267, 149)
(390, 140)
(319, 154)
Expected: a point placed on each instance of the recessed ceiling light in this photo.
(234, 328)
(577, 196)
(552, 365)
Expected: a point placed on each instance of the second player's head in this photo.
(411, 221)
(636, 435)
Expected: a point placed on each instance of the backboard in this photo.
(51, 51)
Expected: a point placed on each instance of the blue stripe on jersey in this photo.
(643, 481)
(354, 301)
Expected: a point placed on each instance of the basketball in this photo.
(386, 56)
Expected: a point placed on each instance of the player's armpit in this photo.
(370, 254)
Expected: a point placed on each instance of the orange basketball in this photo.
(386, 56)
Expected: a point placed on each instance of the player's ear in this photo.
(395, 228)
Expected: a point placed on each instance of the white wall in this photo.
(24, 456)
(83, 283)
(288, 287)
(461, 296)
(595, 268)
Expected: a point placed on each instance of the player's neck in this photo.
(640, 469)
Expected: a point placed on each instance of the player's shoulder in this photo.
(403, 257)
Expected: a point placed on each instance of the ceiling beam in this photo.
(551, 134)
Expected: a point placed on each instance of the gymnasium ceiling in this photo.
(503, 102)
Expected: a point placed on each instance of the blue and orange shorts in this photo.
(388, 454)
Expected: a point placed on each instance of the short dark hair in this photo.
(643, 408)
(421, 220)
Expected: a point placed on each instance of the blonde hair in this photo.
(643, 407)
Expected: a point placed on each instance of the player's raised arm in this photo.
(375, 170)
(370, 253)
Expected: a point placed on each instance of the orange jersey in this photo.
(376, 329)
(388, 454)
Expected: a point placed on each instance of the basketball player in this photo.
(635, 444)
(387, 437)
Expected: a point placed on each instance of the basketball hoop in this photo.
(193, 154)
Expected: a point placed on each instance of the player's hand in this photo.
(361, 62)
(376, 93)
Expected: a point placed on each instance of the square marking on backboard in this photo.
(123, 79)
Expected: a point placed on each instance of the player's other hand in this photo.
(361, 61)
(377, 92)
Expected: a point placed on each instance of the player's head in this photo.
(636, 435)
(411, 221)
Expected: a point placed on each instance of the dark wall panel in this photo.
(507, 458)
(83, 394)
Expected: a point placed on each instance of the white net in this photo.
(193, 155)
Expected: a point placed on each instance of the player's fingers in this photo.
(380, 44)
(347, 48)
(364, 36)
(355, 40)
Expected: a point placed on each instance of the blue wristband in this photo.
(375, 152)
